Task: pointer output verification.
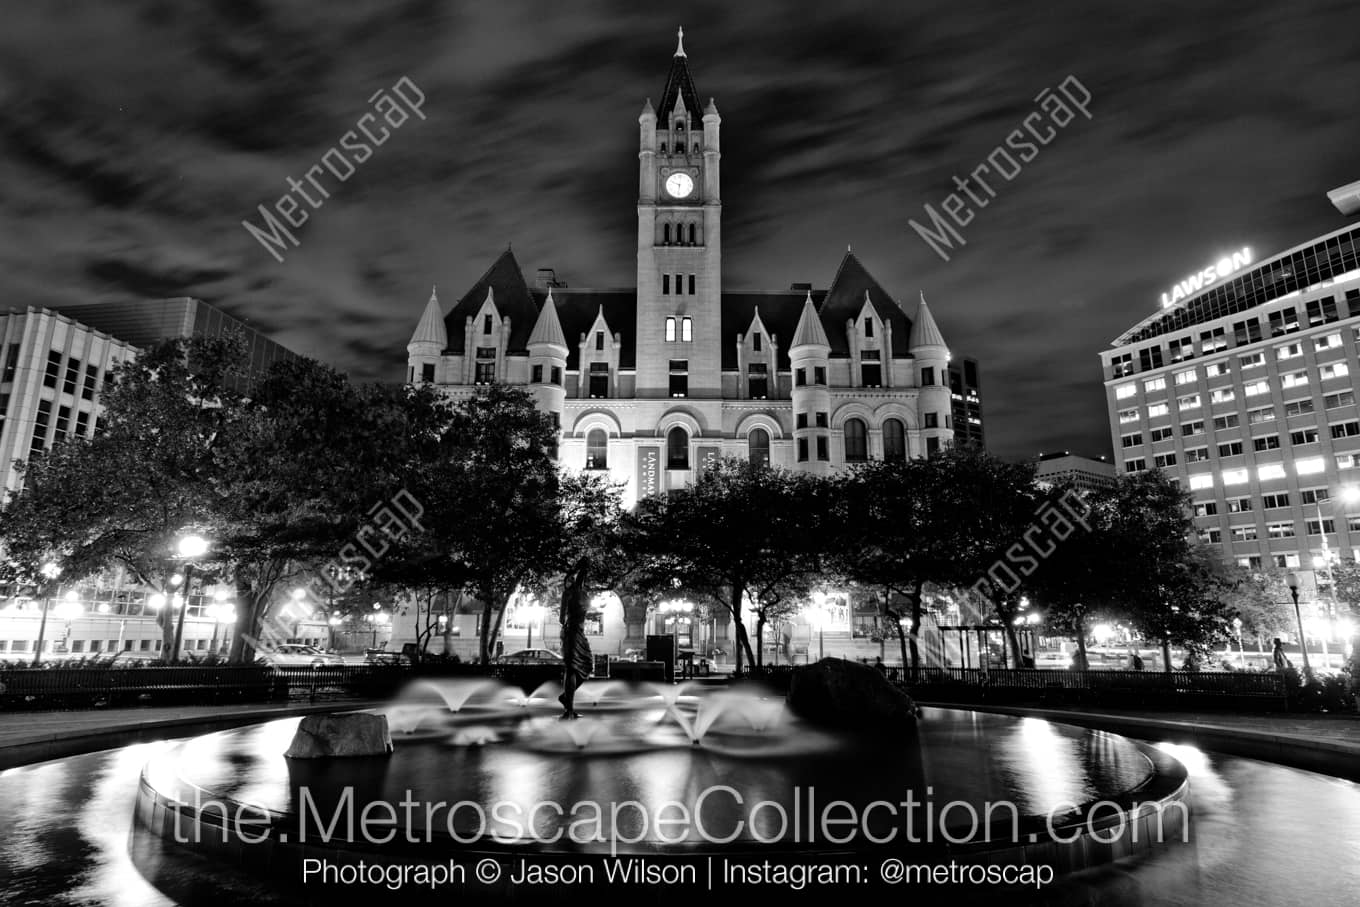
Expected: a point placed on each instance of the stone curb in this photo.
(41, 748)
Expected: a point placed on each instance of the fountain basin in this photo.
(509, 783)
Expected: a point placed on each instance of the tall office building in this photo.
(965, 395)
(1068, 468)
(1242, 386)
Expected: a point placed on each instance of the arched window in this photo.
(856, 442)
(894, 440)
(758, 443)
(696, 147)
(677, 448)
(666, 235)
(597, 449)
(692, 234)
(663, 147)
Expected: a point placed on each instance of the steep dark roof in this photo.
(577, 309)
(845, 299)
(506, 281)
(779, 311)
(679, 84)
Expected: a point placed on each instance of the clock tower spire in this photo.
(679, 279)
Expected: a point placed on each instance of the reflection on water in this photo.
(1262, 834)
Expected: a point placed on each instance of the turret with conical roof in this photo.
(927, 346)
(809, 357)
(548, 360)
(427, 343)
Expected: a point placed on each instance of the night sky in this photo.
(136, 136)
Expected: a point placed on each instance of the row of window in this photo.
(1215, 369)
(1288, 380)
(758, 444)
(1275, 531)
(1307, 496)
(680, 283)
(685, 332)
(1259, 443)
(679, 235)
(43, 419)
(1265, 472)
(96, 646)
(1245, 332)
(1227, 395)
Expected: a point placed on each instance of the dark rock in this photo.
(346, 734)
(848, 695)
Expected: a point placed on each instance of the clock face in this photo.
(679, 185)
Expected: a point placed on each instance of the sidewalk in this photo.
(27, 737)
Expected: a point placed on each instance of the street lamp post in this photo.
(190, 546)
(50, 572)
(1291, 579)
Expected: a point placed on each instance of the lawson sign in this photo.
(1220, 269)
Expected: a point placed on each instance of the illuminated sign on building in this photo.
(1207, 277)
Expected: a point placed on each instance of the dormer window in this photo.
(868, 327)
(755, 341)
(679, 124)
(486, 324)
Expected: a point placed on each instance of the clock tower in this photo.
(679, 277)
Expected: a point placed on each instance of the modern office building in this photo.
(52, 370)
(1242, 385)
(965, 393)
(1065, 467)
(148, 322)
(53, 367)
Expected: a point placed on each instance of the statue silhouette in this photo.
(576, 658)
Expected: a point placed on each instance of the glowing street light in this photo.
(190, 547)
(1291, 579)
(50, 571)
(818, 617)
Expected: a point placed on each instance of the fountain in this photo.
(746, 773)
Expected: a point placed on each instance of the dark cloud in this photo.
(137, 136)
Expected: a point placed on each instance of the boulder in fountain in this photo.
(340, 735)
(851, 696)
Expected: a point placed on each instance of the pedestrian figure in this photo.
(1282, 662)
(1136, 662)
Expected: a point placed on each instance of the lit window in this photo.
(597, 449)
(1234, 477)
(670, 330)
(1216, 369)
(1256, 388)
(686, 329)
(1329, 342)
(1309, 466)
(1189, 401)
(1293, 379)
(1270, 471)
(1128, 415)
(1154, 384)
(1186, 377)
(1158, 409)
(1223, 395)
(1333, 370)
(1289, 351)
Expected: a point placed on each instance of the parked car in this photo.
(294, 655)
(1052, 660)
(530, 657)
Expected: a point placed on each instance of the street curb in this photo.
(1325, 757)
(78, 743)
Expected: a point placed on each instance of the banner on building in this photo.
(707, 458)
(648, 471)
